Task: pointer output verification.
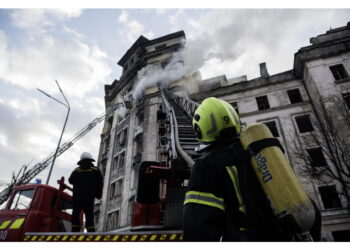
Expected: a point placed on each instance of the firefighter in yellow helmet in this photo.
(224, 200)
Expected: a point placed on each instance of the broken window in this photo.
(304, 123)
(121, 160)
(339, 72)
(118, 187)
(273, 128)
(107, 141)
(263, 102)
(118, 163)
(294, 96)
(140, 118)
(115, 163)
(104, 166)
(122, 137)
(330, 197)
(112, 220)
(109, 125)
(316, 157)
(235, 106)
(112, 190)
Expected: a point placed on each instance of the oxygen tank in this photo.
(287, 196)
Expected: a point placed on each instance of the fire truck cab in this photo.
(36, 208)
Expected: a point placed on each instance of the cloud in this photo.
(232, 38)
(80, 68)
(30, 123)
(174, 19)
(37, 20)
(161, 11)
(179, 19)
(123, 17)
(3, 140)
(3, 52)
(132, 29)
(30, 126)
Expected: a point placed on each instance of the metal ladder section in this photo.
(26, 176)
(181, 110)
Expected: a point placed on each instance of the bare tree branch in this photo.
(328, 135)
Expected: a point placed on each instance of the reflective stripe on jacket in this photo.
(213, 206)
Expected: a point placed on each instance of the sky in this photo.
(80, 49)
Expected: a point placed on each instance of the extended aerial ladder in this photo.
(24, 176)
(181, 110)
(162, 184)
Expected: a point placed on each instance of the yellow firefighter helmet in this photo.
(215, 118)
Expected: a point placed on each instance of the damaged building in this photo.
(312, 98)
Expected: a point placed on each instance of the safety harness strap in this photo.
(257, 146)
(232, 171)
(206, 199)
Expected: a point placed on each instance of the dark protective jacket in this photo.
(87, 182)
(225, 201)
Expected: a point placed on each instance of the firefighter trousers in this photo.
(88, 209)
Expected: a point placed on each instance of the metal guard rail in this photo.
(187, 105)
(175, 136)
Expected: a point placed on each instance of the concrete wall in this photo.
(327, 92)
(316, 85)
(122, 119)
(283, 113)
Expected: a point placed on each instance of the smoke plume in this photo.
(154, 74)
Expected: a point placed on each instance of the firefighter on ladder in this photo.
(224, 200)
(87, 185)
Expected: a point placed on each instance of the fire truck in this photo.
(35, 208)
(38, 212)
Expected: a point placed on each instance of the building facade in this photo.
(306, 108)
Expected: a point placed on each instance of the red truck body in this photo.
(35, 208)
(37, 212)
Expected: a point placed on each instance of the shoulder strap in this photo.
(257, 146)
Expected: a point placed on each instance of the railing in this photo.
(172, 121)
(188, 105)
(175, 143)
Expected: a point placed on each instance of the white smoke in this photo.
(153, 74)
(122, 112)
